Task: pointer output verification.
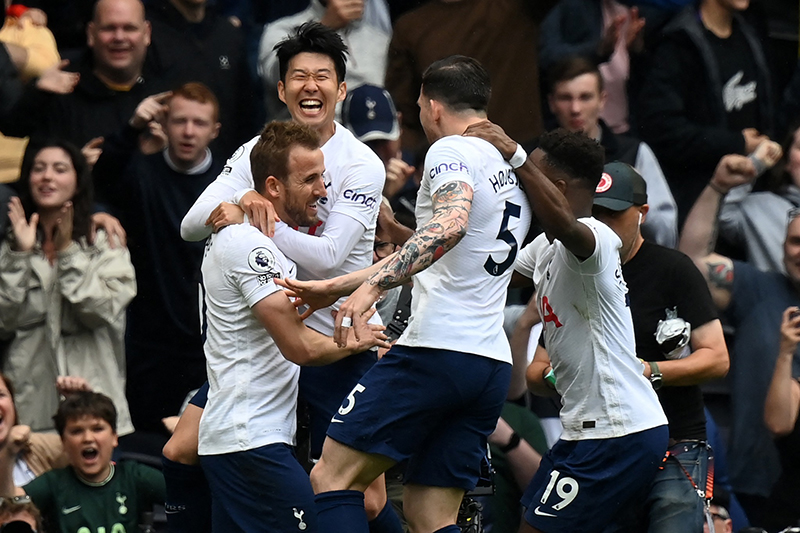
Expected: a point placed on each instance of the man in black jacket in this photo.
(192, 42)
(150, 194)
(707, 94)
(114, 78)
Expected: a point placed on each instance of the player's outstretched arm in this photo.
(304, 346)
(451, 206)
(320, 294)
(547, 201)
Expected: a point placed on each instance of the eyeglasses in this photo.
(383, 249)
(16, 499)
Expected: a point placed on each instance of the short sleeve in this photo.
(606, 249)
(361, 190)
(448, 161)
(41, 491)
(150, 486)
(525, 263)
(252, 265)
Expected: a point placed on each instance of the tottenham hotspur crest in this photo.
(123, 509)
(371, 114)
(299, 515)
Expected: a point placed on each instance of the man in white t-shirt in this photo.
(615, 432)
(437, 394)
(255, 341)
(312, 70)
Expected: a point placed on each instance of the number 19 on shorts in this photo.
(566, 489)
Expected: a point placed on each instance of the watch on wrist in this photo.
(655, 375)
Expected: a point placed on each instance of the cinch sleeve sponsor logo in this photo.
(359, 197)
(455, 166)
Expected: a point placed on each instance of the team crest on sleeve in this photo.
(605, 183)
(236, 155)
(261, 260)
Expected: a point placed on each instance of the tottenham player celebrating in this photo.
(436, 396)
(312, 67)
(255, 340)
(615, 432)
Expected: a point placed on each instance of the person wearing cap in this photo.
(369, 113)
(679, 339)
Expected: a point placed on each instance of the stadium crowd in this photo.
(378, 266)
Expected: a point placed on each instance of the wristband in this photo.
(716, 188)
(238, 196)
(513, 442)
(550, 377)
(519, 157)
(760, 165)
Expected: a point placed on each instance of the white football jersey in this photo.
(252, 397)
(457, 303)
(354, 178)
(588, 334)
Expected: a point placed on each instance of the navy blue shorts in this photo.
(200, 398)
(264, 489)
(435, 408)
(588, 485)
(323, 388)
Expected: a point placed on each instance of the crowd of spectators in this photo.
(115, 115)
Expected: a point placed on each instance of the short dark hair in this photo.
(577, 155)
(194, 91)
(460, 82)
(85, 403)
(314, 38)
(270, 155)
(570, 68)
(82, 201)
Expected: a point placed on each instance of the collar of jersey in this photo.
(98, 483)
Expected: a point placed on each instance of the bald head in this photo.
(118, 36)
(135, 6)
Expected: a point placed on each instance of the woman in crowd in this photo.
(62, 297)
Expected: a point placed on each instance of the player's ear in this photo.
(273, 187)
(281, 91)
(644, 209)
(436, 110)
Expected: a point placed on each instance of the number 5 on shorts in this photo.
(351, 399)
(566, 488)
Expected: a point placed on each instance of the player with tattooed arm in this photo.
(436, 395)
(753, 302)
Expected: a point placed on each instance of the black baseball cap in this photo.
(620, 187)
(368, 111)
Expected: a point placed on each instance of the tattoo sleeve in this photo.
(451, 206)
(720, 273)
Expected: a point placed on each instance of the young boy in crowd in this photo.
(93, 493)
